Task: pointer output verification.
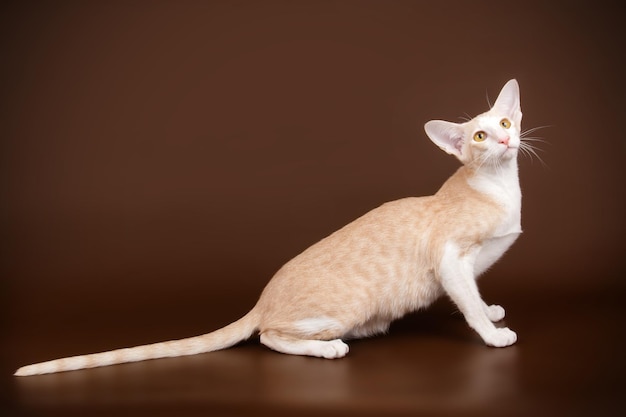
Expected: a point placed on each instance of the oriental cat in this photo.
(396, 259)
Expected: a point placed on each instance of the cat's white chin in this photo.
(510, 152)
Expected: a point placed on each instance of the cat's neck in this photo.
(503, 171)
(500, 182)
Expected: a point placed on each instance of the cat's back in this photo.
(393, 226)
(385, 221)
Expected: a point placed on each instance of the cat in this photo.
(395, 259)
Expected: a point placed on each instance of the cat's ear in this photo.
(447, 135)
(508, 101)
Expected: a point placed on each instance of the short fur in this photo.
(393, 260)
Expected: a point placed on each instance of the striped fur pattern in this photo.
(393, 260)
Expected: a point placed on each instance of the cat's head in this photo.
(489, 138)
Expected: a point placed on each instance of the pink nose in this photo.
(504, 141)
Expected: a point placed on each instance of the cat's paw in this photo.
(501, 337)
(334, 349)
(495, 312)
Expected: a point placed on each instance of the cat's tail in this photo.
(223, 338)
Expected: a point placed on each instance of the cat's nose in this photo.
(504, 141)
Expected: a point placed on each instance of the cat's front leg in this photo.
(494, 312)
(457, 278)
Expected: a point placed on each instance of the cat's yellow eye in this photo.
(505, 123)
(480, 136)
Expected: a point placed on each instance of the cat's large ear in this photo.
(508, 101)
(447, 135)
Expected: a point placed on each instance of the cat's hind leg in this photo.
(329, 349)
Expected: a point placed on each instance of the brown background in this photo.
(160, 160)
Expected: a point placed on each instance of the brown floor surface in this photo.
(568, 361)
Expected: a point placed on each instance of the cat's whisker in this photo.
(533, 139)
(533, 129)
(531, 151)
(528, 144)
(533, 143)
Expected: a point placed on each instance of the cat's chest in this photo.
(505, 191)
(492, 249)
(511, 223)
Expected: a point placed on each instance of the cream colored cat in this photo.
(393, 260)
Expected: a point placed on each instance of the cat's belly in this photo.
(492, 250)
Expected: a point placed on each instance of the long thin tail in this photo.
(223, 338)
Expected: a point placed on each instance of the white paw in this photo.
(495, 312)
(501, 337)
(334, 349)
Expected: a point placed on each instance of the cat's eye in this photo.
(505, 123)
(480, 136)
